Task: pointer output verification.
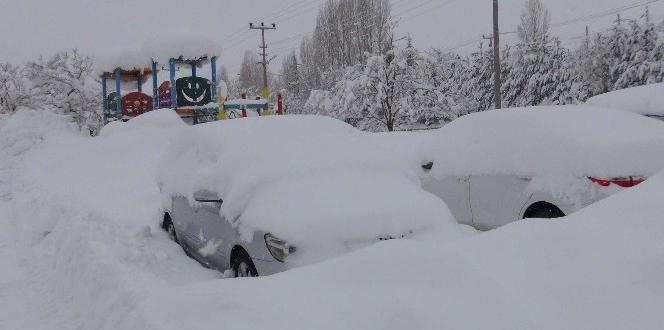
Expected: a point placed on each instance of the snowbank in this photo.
(548, 141)
(598, 269)
(79, 216)
(295, 174)
(80, 249)
(644, 100)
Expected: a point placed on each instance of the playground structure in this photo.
(129, 105)
(194, 98)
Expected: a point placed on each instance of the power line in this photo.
(576, 20)
(428, 10)
(604, 13)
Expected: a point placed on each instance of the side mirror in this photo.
(427, 166)
(206, 196)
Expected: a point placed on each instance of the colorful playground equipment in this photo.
(194, 98)
(129, 105)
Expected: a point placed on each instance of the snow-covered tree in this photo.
(251, 74)
(535, 26)
(478, 84)
(65, 83)
(540, 72)
(13, 92)
(639, 63)
(383, 93)
(223, 75)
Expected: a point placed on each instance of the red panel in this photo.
(134, 104)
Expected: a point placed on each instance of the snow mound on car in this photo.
(556, 140)
(330, 212)
(295, 172)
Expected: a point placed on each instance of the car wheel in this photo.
(170, 227)
(243, 266)
(547, 213)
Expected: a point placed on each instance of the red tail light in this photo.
(625, 182)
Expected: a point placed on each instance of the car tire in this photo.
(243, 266)
(547, 213)
(170, 228)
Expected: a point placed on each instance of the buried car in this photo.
(261, 195)
(499, 166)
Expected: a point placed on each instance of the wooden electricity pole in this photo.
(496, 57)
(265, 93)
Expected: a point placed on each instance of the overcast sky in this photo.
(33, 27)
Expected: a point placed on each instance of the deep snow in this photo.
(80, 248)
(313, 181)
(644, 100)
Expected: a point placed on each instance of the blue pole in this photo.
(213, 66)
(104, 99)
(193, 74)
(155, 91)
(171, 67)
(139, 83)
(118, 104)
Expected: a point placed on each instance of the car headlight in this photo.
(279, 249)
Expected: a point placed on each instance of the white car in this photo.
(496, 167)
(261, 195)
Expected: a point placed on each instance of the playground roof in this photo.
(185, 48)
(130, 75)
(129, 60)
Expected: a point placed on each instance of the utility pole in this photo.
(587, 37)
(496, 57)
(265, 92)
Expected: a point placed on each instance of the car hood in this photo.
(328, 213)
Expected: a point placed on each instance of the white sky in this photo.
(33, 27)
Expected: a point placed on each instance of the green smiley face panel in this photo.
(193, 91)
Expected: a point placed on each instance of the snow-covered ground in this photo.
(81, 249)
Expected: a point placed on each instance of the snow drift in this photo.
(644, 100)
(81, 249)
(600, 268)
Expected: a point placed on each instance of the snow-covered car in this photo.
(647, 100)
(261, 195)
(496, 167)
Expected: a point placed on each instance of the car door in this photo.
(213, 234)
(455, 192)
(187, 226)
(496, 200)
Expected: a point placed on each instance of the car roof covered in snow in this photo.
(550, 140)
(644, 100)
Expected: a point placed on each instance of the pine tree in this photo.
(479, 83)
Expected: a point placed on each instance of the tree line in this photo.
(352, 68)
